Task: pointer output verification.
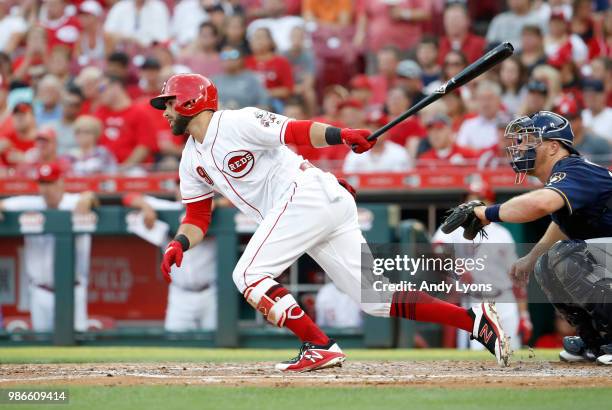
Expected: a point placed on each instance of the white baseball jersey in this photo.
(504, 256)
(336, 309)
(243, 157)
(39, 249)
(199, 265)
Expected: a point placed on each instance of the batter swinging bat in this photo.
(483, 64)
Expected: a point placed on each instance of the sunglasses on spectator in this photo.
(230, 55)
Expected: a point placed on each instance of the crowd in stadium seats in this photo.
(76, 76)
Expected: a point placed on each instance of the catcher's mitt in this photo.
(463, 215)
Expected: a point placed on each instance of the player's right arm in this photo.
(319, 135)
(523, 267)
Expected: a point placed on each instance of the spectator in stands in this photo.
(302, 62)
(235, 34)
(20, 137)
(480, 132)
(597, 116)
(594, 147)
(63, 28)
(127, 128)
(409, 77)
(89, 81)
(559, 43)
(601, 69)
(550, 76)
(535, 99)
(202, 54)
(508, 25)
(277, 22)
(386, 77)
(443, 152)
(457, 34)
(187, 20)
(335, 308)
(352, 113)
(89, 158)
(497, 156)
(380, 23)
(13, 28)
(274, 69)
(332, 98)
(427, 58)
(532, 54)
(94, 44)
(512, 77)
(45, 150)
(334, 13)
(454, 62)
(34, 56)
(135, 24)
(217, 17)
(581, 20)
(150, 79)
(361, 90)
(72, 104)
(410, 131)
(118, 66)
(238, 87)
(456, 110)
(601, 43)
(58, 64)
(47, 106)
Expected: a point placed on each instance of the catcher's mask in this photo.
(527, 133)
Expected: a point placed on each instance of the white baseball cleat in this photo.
(314, 357)
(606, 357)
(488, 331)
(575, 350)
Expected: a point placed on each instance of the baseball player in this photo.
(498, 273)
(572, 261)
(192, 295)
(300, 209)
(39, 249)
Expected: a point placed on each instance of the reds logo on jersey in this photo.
(238, 163)
(202, 173)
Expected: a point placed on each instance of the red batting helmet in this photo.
(194, 93)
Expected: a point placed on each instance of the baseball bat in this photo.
(483, 64)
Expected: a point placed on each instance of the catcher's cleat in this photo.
(488, 331)
(314, 357)
(576, 350)
(606, 357)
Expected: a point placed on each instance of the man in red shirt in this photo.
(19, 137)
(388, 59)
(62, 27)
(444, 151)
(458, 36)
(128, 132)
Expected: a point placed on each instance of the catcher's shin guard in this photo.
(273, 301)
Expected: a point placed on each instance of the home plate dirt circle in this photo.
(441, 373)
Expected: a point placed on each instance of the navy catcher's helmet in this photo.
(528, 132)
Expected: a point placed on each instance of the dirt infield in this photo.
(443, 373)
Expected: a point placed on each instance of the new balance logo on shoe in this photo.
(485, 334)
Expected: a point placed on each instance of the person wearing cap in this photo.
(138, 23)
(592, 146)
(239, 86)
(498, 245)
(409, 76)
(597, 116)
(444, 151)
(569, 261)
(20, 137)
(94, 44)
(480, 132)
(201, 55)
(536, 98)
(39, 248)
(45, 150)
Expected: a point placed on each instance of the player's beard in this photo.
(179, 126)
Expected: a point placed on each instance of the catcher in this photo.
(571, 262)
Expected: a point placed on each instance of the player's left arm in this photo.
(318, 135)
(523, 208)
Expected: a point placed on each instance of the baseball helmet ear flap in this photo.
(194, 93)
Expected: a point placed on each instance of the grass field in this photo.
(190, 378)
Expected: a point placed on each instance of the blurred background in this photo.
(77, 135)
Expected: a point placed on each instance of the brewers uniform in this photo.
(39, 260)
(496, 274)
(192, 295)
